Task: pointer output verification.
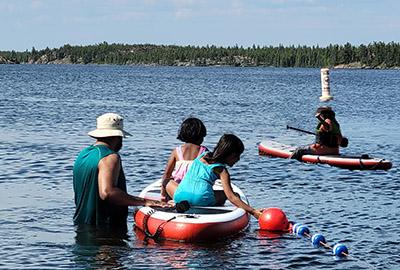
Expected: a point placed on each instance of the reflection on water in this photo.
(47, 111)
(97, 247)
(178, 255)
(178, 252)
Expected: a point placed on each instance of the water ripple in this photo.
(47, 111)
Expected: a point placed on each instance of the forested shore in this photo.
(373, 55)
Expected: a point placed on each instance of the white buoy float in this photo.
(326, 90)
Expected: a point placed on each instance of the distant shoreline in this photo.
(342, 66)
(358, 65)
(377, 55)
(355, 65)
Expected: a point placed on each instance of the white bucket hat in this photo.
(109, 125)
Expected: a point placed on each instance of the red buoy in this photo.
(273, 219)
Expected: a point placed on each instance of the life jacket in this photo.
(328, 138)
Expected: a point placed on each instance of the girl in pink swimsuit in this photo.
(192, 132)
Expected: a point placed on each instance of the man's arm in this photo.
(109, 168)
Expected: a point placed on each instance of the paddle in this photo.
(343, 143)
(301, 130)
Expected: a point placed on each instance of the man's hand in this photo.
(319, 117)
(326, 124)
(153, 203)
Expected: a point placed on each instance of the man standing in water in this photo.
(99, 180)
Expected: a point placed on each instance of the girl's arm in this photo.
(168, 173)
(233, 198)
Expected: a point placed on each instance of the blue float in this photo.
(317, 239)
(340, 250)
(302, 230)
(296, 227)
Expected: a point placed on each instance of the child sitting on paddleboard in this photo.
(191, 132)
(197, 186)
(328, 136)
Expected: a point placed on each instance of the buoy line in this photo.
(274, 219)
(318, 240)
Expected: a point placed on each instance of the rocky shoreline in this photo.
(239, 62)
(3, 60)
(359, 65)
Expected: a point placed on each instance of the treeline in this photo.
(373, 55)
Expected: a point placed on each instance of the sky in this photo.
(53, 23)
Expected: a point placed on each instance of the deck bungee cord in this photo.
(155, 236)
(179, 207)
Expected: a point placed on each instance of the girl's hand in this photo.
(257, 213)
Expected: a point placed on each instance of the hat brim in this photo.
(103, 133)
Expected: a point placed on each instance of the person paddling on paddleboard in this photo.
(328, 136)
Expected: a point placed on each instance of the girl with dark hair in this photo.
(191, 132)
(197, 186)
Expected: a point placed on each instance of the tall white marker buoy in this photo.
(326, 90)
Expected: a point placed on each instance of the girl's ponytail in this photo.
(228, 144)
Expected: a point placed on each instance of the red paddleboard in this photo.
(364, 162)
(198, 224)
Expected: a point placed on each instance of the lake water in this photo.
(46, 112)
